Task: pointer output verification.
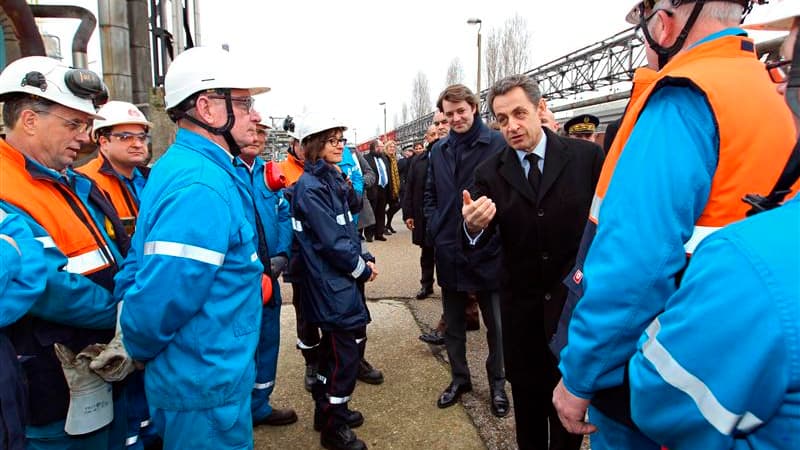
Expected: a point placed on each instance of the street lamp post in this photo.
(384, 119)
(476, 21)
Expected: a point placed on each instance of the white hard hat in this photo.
(633, 14)
(202, 68)
(119, 113)
(48, 78)
(778, 15)
(313, 123)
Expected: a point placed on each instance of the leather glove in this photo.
(113, 362)
(278, 264)
(91, 406)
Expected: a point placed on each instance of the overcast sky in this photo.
(344, 57)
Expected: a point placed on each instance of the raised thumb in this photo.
(466, 197)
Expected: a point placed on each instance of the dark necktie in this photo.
(534, 175)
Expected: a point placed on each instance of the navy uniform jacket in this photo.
(330, 248)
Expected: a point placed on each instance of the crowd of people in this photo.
(141, 306)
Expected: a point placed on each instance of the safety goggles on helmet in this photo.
(82, 83)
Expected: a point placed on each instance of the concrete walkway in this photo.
(399, 414)
(402, 412)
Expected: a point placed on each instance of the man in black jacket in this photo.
(536, 194)
(378, 194)
(451, 169)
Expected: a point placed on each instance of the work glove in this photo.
(274, 177)
(113, 362)
(91, 406)
(278, 264)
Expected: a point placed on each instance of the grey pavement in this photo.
(401, 413)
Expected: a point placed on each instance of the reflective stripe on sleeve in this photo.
(678, 377)
(254, 257)
(337, 400)
(359, 268)
(296, 225)
(131, 440)
(46, 241)
(145, 423)
(340, 219)
(88, 262)
(179, 250)
(697, 237)
(262, 386)
(360, 340)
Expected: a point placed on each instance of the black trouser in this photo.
(427, 263)
(379, 209)
(307, 334)
(336, 378)
(394, 206)
(455, 337)
(533, 409)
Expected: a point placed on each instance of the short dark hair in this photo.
(14, 104)
(503, 86)
(314, 144)
(457, 93)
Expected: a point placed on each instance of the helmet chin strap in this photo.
(666, 53)
(224, 130)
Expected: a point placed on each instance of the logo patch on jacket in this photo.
(577, 277)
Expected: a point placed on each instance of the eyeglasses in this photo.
(129, 138)
(441, 122)
(779, 70)
(640, 30)
(75, 126)
(246, 102)
(336, 141)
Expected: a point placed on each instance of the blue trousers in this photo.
(227, 427)
(266, 361)
(612, 435)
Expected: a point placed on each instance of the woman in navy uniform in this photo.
(322, 205)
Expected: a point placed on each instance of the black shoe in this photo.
(451, 395)
(311, 377)
(500, 405)
(368, 238)
(369, 374)
(391, 230)
(433, 338)
(341, 438)
(278, 417)
(378, 238)
(354, 419)
(424, 292)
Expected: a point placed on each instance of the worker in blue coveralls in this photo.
(47, 108)
(273, 212)
(683, 158)
(21, 265)
(330, 248)
(718, 368)
(192, 282)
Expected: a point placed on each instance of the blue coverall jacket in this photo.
(718, 369)
(191, 282)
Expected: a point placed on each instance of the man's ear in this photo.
(29, 121)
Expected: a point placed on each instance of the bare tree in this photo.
(455, 73)
(404, 112)
(507, 49)
(420, 97)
